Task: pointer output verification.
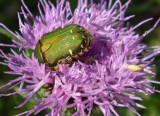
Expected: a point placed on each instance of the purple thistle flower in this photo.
(117, 72)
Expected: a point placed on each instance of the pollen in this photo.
(135, 67)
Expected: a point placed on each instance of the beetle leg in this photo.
(89, 59)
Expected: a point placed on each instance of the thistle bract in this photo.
(63, 44)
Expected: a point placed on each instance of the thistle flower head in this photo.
(108, 75)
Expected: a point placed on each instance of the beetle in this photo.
(63, 44)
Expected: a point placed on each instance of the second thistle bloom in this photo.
(111, 68)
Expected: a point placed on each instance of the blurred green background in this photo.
(143, 9)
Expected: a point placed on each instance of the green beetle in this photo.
(63, 44)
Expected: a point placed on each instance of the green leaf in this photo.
(6, 33)
(29, 52)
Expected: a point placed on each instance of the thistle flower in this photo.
(108, 75)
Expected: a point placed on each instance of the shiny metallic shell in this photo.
(63, 44)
